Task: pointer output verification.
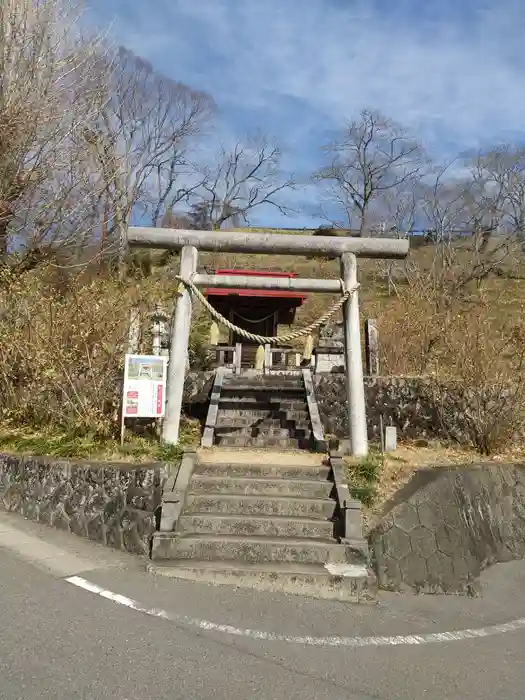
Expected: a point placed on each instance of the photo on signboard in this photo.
(148, 368)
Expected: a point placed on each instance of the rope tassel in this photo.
(262, 339)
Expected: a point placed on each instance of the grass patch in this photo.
(363, 476)
(63, 445)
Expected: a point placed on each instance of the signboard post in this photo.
(144, 392)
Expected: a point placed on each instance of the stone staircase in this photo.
(266, 523)
(263, 411)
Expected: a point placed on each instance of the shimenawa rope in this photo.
(262, 339)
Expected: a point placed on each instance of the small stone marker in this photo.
(390, 439)
(330, 349)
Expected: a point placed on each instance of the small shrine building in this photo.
(259, 311)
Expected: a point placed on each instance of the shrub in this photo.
(473, 356)
(363, 476)
(62, 342)
(479, 387)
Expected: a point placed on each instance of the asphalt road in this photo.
(60, 641)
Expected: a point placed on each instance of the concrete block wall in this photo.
(448, 524)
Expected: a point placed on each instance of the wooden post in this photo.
(268, 357)
(308, 348)
(179, 350)
(353, 361)
(372, 347)
(259, 358)
(215, 334)
(238, 357)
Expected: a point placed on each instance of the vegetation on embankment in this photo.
(85, 446)
(64, 333)
(63, 337)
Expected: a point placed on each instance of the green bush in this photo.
(363, 476)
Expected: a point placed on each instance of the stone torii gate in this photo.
(189, 243)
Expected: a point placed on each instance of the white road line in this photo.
(411, 639)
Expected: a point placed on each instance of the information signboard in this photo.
(144, 386)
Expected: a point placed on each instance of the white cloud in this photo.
(304, 66)
(461, 81)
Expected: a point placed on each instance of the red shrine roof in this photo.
(275, 293)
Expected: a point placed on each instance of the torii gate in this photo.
(189, 243)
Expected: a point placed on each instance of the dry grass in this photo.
(397, 468)
(376, 297)
(65, 445)
(63, 336)
(62, 343)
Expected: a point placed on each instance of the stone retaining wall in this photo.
(402, 402)
(197, 387)
(115, 504)
(447, 525)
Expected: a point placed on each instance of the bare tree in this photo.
(143, 141)
(47, 97)
(172, 219)
(444, 202)
(399, 208)
(246, 177)
(471, 211)
(446, 216)
(499, 191)
(372, 157)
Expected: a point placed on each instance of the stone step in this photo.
(263, 422)
(261, 442)
(253, 414)
(261, 380)
(251, 550)
(254, 432)
(262, 404)
(270, 390)
(260, 487)
(267, 381)
(263, 471)
(262, 525)
(358, 585)
(260, 505)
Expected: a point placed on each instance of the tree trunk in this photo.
(5, 217)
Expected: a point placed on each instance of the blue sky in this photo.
(453, 71)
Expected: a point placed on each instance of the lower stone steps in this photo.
(259, 526)
(249, 550)
(260, 505)
(250, 486)
(355, 585)
(318, 472)
(269, 521)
